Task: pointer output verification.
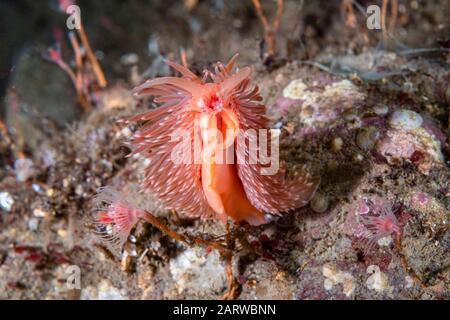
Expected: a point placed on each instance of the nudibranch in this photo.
(208, 108)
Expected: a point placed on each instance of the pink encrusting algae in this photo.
(209, 188)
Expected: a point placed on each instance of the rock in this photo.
(336, 144)
(104, 291)
(436, 215)
(295, 90)
(403, 145)
(319, 203)
(263, 280)
(196, 271)
(334, 277)
(117, 98)
(447, 93)
(321, 105)
(367, 138)
(40, 91)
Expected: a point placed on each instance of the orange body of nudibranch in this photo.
(212, 114)
(223, 189)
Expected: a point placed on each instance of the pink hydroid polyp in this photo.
(379, 222)
(115, 218)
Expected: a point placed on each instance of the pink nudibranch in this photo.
(211, 188)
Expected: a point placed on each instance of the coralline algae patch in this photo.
(407, 139)
(436, 215)
(396, 133)
(320, 105)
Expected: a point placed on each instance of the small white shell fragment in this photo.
(409, 282)
(405, 120)
(377, 281)
(39, 213)
(6, 201)
(37, 188)
(357, 157)
(129, 59)
(385, 241)
(24, 169)
(33, 224)
(381, 110)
